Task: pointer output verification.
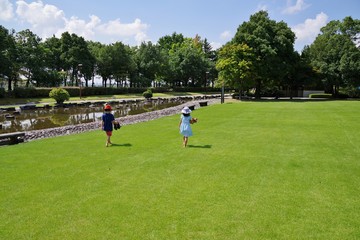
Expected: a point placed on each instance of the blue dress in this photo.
(185, 128)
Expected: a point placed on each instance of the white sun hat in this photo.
(186, 110)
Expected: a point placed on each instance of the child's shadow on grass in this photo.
(199, 146)
(121, 145)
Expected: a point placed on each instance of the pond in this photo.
(42, 118)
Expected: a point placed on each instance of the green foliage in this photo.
(335, 54)
(353, 92)
(272, 44)
(148, 93)
(59, 94)
(176, 60)
(235, 65)
(320, 95)
(31, 92)
(25, 92)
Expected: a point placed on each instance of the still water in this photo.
(27, 120)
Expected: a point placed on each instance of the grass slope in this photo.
(253, 170)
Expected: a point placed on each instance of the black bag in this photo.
(117, 126)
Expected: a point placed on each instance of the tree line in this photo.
(260, 56)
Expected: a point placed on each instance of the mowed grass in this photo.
(253, 170)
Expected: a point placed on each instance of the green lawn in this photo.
(253, 170)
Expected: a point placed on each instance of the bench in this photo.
(203, 104)
(192, 107)
(12, 138)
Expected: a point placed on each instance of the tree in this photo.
(31, 54)
(187, 62)
(149, 60)
(104, 65)
(235, 65)
(336, 55)
(121, 62)
(211, 57)
(52, 48)
(9, 66)
(271, 42)
(75, 53)
(192, 65)
(167, 42)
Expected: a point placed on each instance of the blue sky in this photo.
(134, 21)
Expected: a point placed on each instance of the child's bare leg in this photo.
(108, 141)
(185, 141)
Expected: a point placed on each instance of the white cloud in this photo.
(6, 12)
(80, 27)
(115, 28)
(215, 45)
(307, 32)
(225, 35)
(299, 6)
(47, 20)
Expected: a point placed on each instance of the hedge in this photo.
(22, 92)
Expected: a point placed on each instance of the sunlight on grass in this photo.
(253, 170)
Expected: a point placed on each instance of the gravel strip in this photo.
(131, 119)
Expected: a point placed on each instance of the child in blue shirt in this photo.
(108, 120)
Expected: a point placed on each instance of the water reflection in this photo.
(37, 119)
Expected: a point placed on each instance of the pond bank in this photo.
(131, 119)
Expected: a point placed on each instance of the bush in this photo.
(320, 95)
(148, 94)
(59, 94)
(23, 92)
(352, 92)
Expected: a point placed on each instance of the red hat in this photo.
(107, 107)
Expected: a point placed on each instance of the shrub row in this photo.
(195, 89)
(22, 92)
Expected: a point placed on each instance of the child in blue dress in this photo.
(184, 125)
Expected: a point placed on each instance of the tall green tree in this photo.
(235, 66)
(187, 62)
(211, 58)
(76, 58)
(31, 55)
(121, 62)
(169, 41)
(9, 57)
(336, 55)
(271, 42)
(149, 61)
(52, 48)
(104, 65)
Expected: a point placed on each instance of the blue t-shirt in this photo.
(108, 118)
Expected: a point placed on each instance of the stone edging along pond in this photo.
(131, 119)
